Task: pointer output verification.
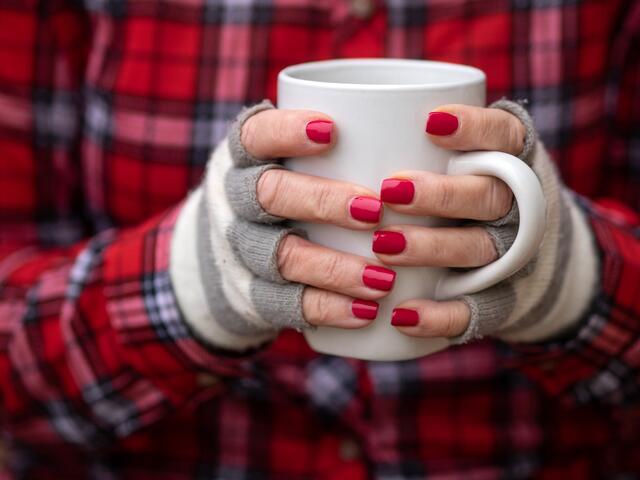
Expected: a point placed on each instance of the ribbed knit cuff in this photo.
(257, 245)
(530, 137)
(240, 156)
(241, 187)
(504, 230)
(489, 309)
(282, 304)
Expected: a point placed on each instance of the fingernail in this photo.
(379, 278)
(319, 131)
(385, 241)
(395, 190)
(404, 317)
(366, 209)
(441, 123)
(364, 309)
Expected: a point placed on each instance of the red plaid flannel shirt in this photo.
(109, 110)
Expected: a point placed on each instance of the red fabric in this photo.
(108, 113)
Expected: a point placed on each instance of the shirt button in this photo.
(206, 380)
(349, 450)
(362, 9)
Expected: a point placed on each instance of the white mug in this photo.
(380, 107)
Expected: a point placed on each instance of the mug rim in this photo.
(474, 75)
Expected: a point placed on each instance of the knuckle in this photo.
(320, 311)
(334, 271)
(444, 195)
(284, 133)
(437, 250)
(487, 132)
(486, 250)
(271, 133)
(248, 134)
(289, 120)
(476, 126)
(494, 132)
(450, 323)
(289, 256)
(324, 200)
(499, 198)
(499, 131)
(516, 132)
(279, 130)
(268, 190)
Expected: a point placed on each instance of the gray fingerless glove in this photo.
(549, 294)
(224, 253)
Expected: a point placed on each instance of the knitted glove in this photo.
(224, 253)
(548, 295)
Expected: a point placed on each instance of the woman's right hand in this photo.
(334, 279)
(259, 274)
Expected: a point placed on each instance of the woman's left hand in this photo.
(488, 202)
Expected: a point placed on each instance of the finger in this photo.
(428, 318)
(323, 308)
(307, 198)
(286, 133)
(411, 245)
(465, 127)
(474, 197)
(302, 261)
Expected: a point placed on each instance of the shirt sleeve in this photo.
(598, 361)
(93, 343)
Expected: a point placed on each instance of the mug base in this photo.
(360, 344)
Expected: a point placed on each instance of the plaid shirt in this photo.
(109, 110)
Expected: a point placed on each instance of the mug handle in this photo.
(532, 209)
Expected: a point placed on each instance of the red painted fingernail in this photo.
(404, 317)
(385, 241)
(441, 123)
(364, 309)
(395, 190)
(319, 131)
(379, 278)
(366, 209)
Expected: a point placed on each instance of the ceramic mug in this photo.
(380, 107)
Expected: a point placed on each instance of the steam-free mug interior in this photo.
(384, 73)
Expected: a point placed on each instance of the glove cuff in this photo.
(503, 231)
(257, 245)
(241, 189)
(530, 137)
(282, 304)
(241, 158)
(488, 311)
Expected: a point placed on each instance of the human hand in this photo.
(528, 306)
(272, 276)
